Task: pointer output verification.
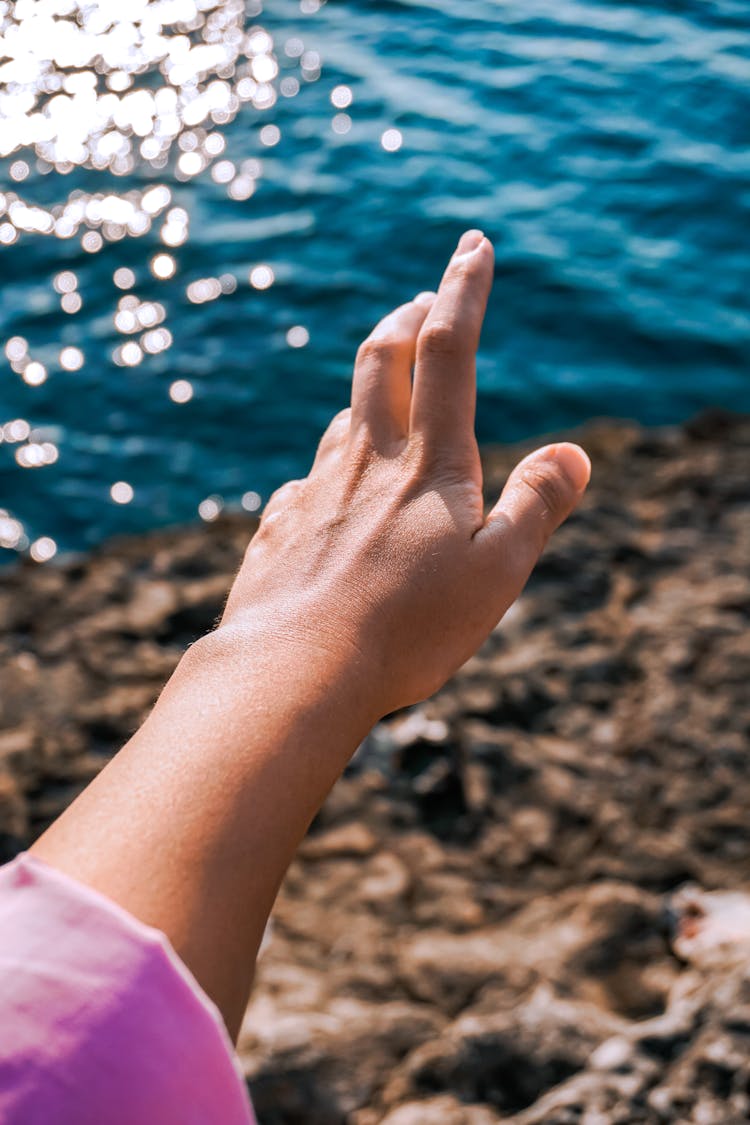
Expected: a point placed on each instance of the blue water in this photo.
(605, 148)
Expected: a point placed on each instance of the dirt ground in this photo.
(525, 902)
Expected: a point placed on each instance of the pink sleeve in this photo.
(100, 1021)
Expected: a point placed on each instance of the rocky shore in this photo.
(525, 901)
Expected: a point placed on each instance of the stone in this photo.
(525, 904)
(348, 839)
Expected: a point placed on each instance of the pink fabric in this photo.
(100, 1021)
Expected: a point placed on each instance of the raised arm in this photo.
(366, 586)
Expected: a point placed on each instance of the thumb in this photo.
(540, 494)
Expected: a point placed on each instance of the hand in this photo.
(383, 553)
(365, 587)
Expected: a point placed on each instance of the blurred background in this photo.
(204, 207)
(527, 900)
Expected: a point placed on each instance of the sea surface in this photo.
(205, 207)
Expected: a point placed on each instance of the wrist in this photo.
(285, 664)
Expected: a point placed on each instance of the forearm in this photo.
(192, 826)
(366, 585)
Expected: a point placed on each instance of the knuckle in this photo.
(463, 268)
(366, 352)
(335, 435)
(382, 350)
(284, 494)
(440, 341)
(340, 422)
(550, 487)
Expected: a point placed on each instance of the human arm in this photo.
(366, 586)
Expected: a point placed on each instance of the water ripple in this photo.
(205, 204)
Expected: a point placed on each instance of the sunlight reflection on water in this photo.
(196, 233)
(81, 85)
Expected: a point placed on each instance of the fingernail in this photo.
(573, 461)
(469, 241)
(425, 298)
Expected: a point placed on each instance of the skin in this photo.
(366, 586)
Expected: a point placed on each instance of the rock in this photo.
(711, 928)
(348, 839)
(448, 900)
(16, 745)
(12, 817)
(335, 1058)
(689, 1065)
(526, 903)
(450, 968)
(444, 1110)
(385, 879)
(152, 604)
(506, 1059)
(608, 939)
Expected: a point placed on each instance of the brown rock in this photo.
(478, 929)
(347, 839)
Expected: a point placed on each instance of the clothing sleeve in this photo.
(100, 1021)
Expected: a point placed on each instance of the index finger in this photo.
(444, 393)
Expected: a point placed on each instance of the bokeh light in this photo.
(43, 549)
(341, 97)
(341, 124)
(34, 373)
(181, 391)
(122, 492)
(298, 336)
(210, 509)
(251, 501)
(261, 277)
(71, 359)
(204, 289)
(136, 99)
(163, 266)
(392, 140)
(11, 531)
(124, 278)
(16, 348)
(71, 303)
(270, 135)
(65, 282)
